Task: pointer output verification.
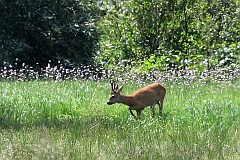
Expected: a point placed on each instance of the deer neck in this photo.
(126, 99)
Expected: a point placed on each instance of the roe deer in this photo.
(140, 99)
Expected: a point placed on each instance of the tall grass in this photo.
(70, 120)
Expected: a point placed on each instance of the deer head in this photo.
(114, 94)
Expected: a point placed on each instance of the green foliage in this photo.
(166, 34)
(36, 31)
(138, 35)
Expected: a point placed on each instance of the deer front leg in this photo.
(139, 113)
(132, 113)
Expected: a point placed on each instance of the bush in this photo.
(162, 34)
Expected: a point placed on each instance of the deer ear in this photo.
(120, 89)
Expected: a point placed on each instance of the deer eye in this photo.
(113, 96)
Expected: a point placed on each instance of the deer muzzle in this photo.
(109, 103)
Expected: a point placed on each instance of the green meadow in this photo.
(71, 120)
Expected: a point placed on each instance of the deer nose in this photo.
(109, 103)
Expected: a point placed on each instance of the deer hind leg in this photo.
(153, 110)
(160, 103)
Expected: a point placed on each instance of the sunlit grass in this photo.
(70, 120)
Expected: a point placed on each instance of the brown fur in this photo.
(140, 99)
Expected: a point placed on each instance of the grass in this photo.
(70, 120)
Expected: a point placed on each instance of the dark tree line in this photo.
(38, 31)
